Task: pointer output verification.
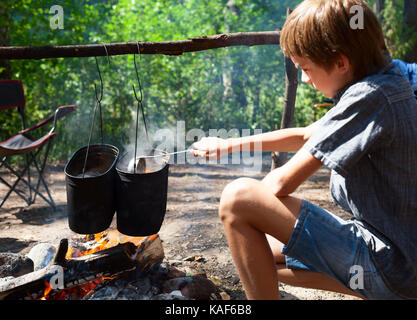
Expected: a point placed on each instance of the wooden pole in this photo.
(291, 84)
(166, 47)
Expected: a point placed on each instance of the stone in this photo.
(194, 287)
(14, 265)
(42, 254)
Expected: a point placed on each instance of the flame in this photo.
(102, 241)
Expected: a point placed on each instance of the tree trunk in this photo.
(5, 69)
(233, 77)
(378, 9)
(410, 18)
(378, 6)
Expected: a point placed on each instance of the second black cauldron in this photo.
(141, 194)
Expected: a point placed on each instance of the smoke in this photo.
(177, 138)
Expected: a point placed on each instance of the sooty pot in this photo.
(141, 194)
(91, 189)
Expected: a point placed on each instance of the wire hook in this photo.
(137, 75)
(99, 74)
(107, 53)
(98, 105)
(139, 105)
(101, 83)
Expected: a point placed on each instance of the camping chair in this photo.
(12, 95)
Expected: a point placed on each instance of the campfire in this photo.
(100, 184)
(91, 244)
(76, 271)
(108, 266)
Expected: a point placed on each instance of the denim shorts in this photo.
(323, 242)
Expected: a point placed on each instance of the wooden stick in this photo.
(291, 83)
(166, 47)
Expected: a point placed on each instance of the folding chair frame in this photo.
(31, 148)
(30, 199)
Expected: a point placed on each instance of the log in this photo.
(121, 48)
(76, 271)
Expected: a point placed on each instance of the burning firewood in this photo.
(65, 273)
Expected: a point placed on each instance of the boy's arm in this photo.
(286, 179)
(284, 140)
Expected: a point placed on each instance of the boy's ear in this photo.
(343, 64)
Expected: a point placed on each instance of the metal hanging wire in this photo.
(99, 97)
(139, 106)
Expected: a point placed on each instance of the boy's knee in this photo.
(235, 195)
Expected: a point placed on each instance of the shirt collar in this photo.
(384, 69)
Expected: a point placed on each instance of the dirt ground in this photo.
(191, 229)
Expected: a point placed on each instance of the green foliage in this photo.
(400, 37)
(307, 97)
(209, 89)
(238, 87)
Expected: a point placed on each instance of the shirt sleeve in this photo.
(358, 124)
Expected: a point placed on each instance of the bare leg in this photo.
(304, 278)
(249, 211)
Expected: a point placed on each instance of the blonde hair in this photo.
(320, 30)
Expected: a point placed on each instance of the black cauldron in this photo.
(91, 190)
(141, 195)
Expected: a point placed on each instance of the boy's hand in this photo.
(210, 148)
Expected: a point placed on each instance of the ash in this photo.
(132, 286)
(161, 282)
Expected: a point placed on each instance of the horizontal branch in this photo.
(165, 47)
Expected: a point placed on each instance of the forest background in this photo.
(231, 88)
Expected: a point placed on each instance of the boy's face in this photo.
(327, 82)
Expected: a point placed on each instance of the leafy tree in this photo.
(237, 87)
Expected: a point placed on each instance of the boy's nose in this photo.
(304, 77)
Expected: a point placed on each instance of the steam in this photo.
(140, 166)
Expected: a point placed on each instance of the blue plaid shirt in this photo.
(369, 140)
(409, 70)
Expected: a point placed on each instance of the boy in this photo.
(368, 139)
